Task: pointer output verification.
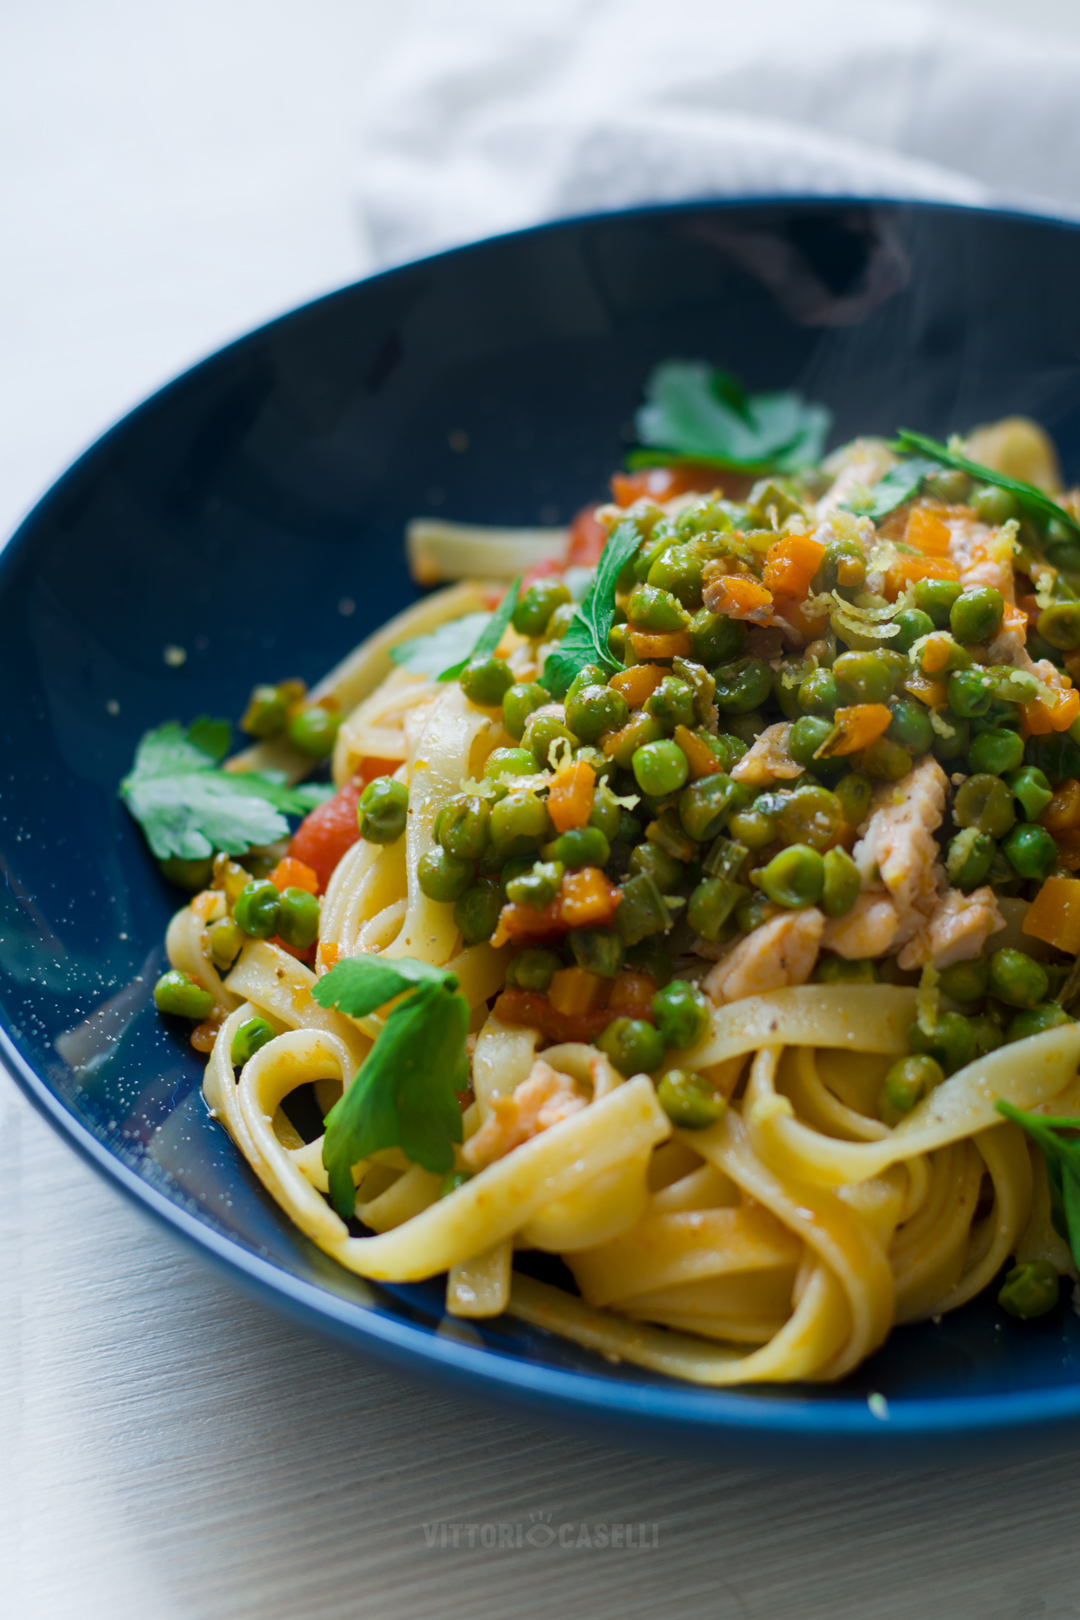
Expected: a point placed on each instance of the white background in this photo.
(170, 174)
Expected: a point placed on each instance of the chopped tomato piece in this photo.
(536, 1012)
(586, 540)
(323, 837)
(664, 483)
(586, 899)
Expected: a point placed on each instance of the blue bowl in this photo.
(252, 513)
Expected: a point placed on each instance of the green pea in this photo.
(190, 875)
(587, 675)
(1031, 790)
(298, 918)
(649, 956)
(522, 699)
(537, 886)
(984, 802)
(988, 1036)
(666, 872)
(633, 1046)
(477, 910)
(704, 804)
(463, 825)
(743, 685)
(1029, 1290)
(795, 878)
(485, 681)
(704, 515)
(177, 993)
(994, 752)
(606, 814)
(1034, 1020)
(910, 725)
(969, 858)
(854, 791)
(660, 768)
(929, 656)
(949, 485)
(1030, 851)
(746, 728)
(714, 638)
(843, 566)
(955, 744)
(580, 846)
(594, 710)
(642, 910)
(672, 703)
(810, 815)
(252, 1034)
(952, 1043)
(508, 762)
(863, 677)
(807, 736)
(655, 611)
(382, 811)
(1059, 624)
(688, 1100)
(994, 505)
(885, 760)
(1017, 979)
(906, 1084)
(682, 1014)
(842, 883)
(443, 876)
(965, 981)
(1064, 553)
(753, 827)
(818, 693)
(226, 940)
(314, 730)
(256, 908)
(598, 950)
(520, 823)
(976, 614)
(837, 970)
(711, 906)
(641, 729)
(266, 713)
(935, 598)
(913, 624)
(971, 692)
(560, 621)
(541, 733)
(534, 607)
(532, 969)
(678, 570)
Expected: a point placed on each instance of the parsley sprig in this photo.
(188, 807)
(445, 651)
(695, 412)
(403, 1095)
(901, 483)
(586, 638)
(1062, 1155)
(1031, 499)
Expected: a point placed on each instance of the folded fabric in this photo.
(492, 116)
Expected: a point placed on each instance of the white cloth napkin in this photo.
(494, 114)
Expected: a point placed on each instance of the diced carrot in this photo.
(936, 652)
(933, 693)
(807, 624)
(323, 837)
(1016, 619)
(526, 1007)
(1068, 844)
(638, 682)
(370, 768)
(293, 874)
(671, 644)
(303, 953)
(856, 726)
(791, 563)
(927, 533)
(631, 996)
(576, 990)
(1041, 717)
(1062, 814)
(906, 569)
(205, 1034)
(570, 800)
(587, 899)
(328, 953)
(699, 756)
(1054, 914)
(586, 539)
(737, 597)
(664, 483)
(518, 921)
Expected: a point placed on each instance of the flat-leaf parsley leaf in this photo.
(694, 412)
(586, 638)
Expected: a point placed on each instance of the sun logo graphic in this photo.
(540, 1533)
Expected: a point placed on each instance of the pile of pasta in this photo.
(781, 1243)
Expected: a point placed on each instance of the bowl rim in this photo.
(483, 1372)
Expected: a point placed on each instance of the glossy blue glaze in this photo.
(234, 513)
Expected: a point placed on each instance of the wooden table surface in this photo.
(168, 1449)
